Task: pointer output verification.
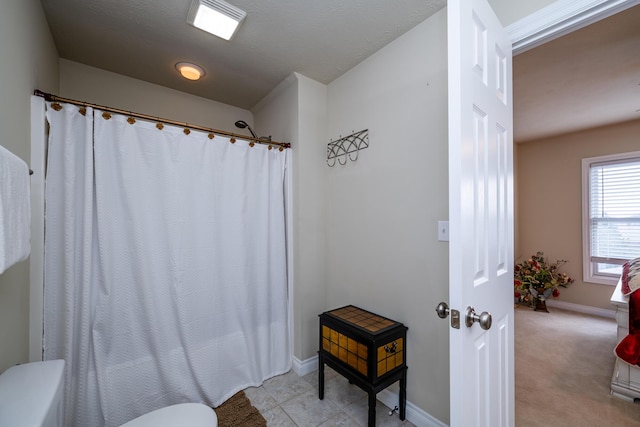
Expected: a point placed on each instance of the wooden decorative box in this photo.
(368, 349)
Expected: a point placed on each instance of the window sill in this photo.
(609, 281)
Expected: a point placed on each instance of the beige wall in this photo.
(85, 83)
(381, 211)
(548, 175)
(309, 232)
(296, 111)
(28, 61)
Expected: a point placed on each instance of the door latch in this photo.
(443, 311)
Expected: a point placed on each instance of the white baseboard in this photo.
(305, 367)
(594, 311)
(416, 415)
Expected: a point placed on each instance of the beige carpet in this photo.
(237, 411)
(564, 362)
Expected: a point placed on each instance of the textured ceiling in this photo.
(585, 79)
(144, 39)
(588, 78)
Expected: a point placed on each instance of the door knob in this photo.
(484, 319)
(443, 310)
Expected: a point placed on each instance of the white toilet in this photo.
(31, 396)
(182, 414)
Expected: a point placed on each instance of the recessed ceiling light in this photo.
(190, 71)
(216, 17)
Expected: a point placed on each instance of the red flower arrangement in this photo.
(536, 278)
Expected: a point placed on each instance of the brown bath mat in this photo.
(238, 412)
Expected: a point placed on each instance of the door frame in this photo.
(560, 18)
(554, 21)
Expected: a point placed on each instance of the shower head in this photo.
(242, 124)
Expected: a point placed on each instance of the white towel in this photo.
(15, 210)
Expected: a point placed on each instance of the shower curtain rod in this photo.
(54, 98)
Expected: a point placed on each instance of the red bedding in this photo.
(629, 348)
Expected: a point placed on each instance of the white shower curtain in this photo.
(165, 265)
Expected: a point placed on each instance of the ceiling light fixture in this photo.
(216, 17)
(190, 71)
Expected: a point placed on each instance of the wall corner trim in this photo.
(284, 84)
(305, 367)
(36, 260)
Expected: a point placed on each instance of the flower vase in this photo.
(540, 300)
(540, 305)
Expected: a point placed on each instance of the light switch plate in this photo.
(443, 231)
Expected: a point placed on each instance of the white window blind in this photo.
(614, 214)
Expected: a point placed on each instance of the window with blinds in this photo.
(611, 215)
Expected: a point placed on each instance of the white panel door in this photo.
(480, 215)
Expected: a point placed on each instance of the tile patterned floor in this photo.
(289, 401)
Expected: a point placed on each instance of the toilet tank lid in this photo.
(181, 414)
(28, 391)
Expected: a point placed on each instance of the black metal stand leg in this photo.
(372, 409)
(320, 376)
(403, 395)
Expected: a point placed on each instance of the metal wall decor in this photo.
(347, 146)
